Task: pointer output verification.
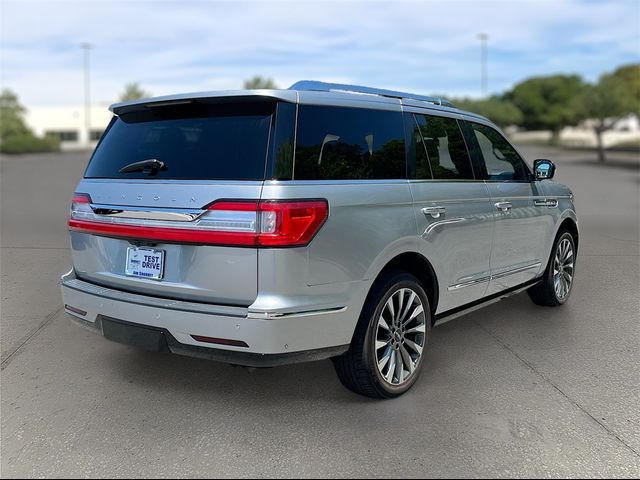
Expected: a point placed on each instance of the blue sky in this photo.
(428, 47)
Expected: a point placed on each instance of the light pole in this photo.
(484, 37)
(86, 47)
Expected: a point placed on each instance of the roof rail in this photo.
(339, 87)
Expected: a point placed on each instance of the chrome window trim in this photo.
(391, 181)
(446, 180)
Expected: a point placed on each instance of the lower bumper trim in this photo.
(160, 340)
(150, 339)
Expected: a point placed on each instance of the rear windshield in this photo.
(194, 141)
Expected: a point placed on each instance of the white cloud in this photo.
(421, 46)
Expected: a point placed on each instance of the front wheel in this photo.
(387, 351)
(557, 280)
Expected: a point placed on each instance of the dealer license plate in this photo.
(145, 263)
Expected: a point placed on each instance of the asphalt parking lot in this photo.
(513, 390)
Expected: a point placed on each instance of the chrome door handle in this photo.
(435, 212)
(504, 206)
(547, 202)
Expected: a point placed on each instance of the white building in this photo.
(69, 125)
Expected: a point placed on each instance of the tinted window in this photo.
(282, 144)
(446, 152)
(194, 141)
(418, 152)
(501, 160)
(336, 143)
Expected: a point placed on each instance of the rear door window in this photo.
(196, 141)
(446, 151)
(336, 143)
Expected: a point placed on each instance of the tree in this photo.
(11, 115)
(259, 82)
(15, 136)
(613, 97)
(629, 75)
(133, 91)
(548, 102)
(500, 111)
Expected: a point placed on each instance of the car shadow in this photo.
(317, 382)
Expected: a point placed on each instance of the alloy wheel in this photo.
(563, 269)
(400, 337)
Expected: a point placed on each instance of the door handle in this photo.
(435, 212)
(504, 207)
(547, 202)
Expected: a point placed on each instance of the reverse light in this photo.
(81, 206)
(266, 223)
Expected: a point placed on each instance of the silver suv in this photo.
(267, 227)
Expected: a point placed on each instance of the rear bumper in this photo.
(168, 325)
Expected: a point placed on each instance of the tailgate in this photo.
(189, 271)
(168, 204)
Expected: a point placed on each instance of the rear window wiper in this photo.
(150, 166)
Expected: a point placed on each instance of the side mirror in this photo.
(543, 169)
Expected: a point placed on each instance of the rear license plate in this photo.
(145, 263)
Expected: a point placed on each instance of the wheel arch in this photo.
(418, 266)
(571, 226)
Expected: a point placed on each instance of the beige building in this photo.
(69, 125)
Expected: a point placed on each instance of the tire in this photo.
(405, 337)
(557, 281)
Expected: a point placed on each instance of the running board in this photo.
(444, 317)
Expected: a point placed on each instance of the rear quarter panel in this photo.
(369, 223)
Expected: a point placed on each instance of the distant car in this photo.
(268, 227)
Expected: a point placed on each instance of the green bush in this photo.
(28, 143)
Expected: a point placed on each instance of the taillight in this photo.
(266, 223)
(81, 206)
(270, 223)
(290, 223)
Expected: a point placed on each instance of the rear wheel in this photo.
(557, 280)
(386, 354)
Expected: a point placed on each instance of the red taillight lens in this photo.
(81, 198)
(290, 223)
(268, 223)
